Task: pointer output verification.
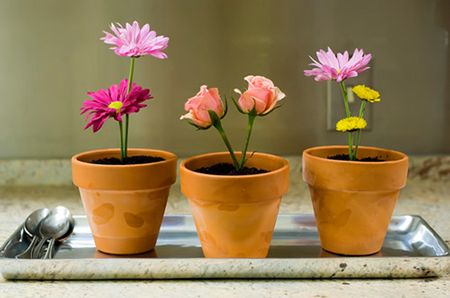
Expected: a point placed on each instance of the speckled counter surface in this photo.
(48, 184)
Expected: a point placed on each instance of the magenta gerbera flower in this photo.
(133, 41)
(340, 67)
(113, 103)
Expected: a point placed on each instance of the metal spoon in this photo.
(31, 227)
(17, 236)
(15, 244)
(55, 226)
(49, 253)
(69, 231)
(14, 249)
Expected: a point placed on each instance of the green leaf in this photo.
(214, 118)
(226, 108)
(253, 112)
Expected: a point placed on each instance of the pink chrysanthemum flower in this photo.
(113, 103)
(133, 41)
(340, 67)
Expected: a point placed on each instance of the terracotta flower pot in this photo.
(353, 201)
(124, 203)
(235, 215)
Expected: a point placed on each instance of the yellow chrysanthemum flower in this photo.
(366, 93)
(351, 124)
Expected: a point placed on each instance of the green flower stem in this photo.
(127, 117)
(350, 146)
(358, 138)
(362, 109)
(122, 152)
(125, 145)
(218, 126)
(348, 114)
(251, 121)
(345, 97)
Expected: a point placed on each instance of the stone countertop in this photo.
(427, 194)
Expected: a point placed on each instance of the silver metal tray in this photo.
(411, 249)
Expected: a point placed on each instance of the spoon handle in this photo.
(27, 254)
(36, 253)
(49, 253)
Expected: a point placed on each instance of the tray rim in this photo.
(182, 268)
(159, 269)
(340, 257)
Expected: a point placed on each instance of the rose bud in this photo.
(261, 95)
(199, 106)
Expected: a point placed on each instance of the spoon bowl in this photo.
(31, 228)
(55, 226)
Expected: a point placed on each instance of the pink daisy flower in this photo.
(340, 67)
(133, 41)
(113, 103)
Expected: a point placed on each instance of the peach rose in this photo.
(199, 105)
(261, 94)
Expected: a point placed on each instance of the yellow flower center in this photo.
(116, 105)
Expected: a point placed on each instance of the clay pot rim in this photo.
(404, 157)
(168, 156)
(284, 167)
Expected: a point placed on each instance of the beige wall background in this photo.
(51, 55)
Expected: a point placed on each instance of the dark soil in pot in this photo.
(131, 160)
(229, 170)
(346, 157)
